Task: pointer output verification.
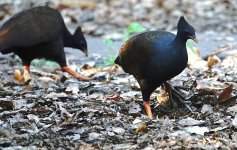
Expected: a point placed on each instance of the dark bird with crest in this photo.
(156, 56)
(40, 32)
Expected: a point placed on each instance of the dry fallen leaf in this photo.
(85, 4)
(4, 133)
(162, 98)
(194, 59)
(224, 98)
(91, 70)
(42, 110)
(6, 104)
(212, 60)
(115, 97)
(85, 146)
(141, 128)
(113, 69)
(209, 84)
(196, 130)
(190, 122)
(62, 6)
(225, 94)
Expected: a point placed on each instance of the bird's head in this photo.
(185, 30)
(80, 41)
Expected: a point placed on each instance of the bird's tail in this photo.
(117, 61)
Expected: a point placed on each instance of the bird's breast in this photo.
(167, 64)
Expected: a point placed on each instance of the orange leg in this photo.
(26, 74)
(75, 74)
(148, 109)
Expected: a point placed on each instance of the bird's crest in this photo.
(182, 22)
(78, 32)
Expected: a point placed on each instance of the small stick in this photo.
(220, 50)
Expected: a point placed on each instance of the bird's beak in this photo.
(86, 52)
(194, 38)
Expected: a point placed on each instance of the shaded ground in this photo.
(107, 112)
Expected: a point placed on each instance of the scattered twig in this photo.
(116, 96)
(220, 50)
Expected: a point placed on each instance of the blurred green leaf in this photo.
(135, 27)
(110, 59)
(190, 46)
(108, 42)
(132, 29)
(43, 62)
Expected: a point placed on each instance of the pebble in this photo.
(93, 136)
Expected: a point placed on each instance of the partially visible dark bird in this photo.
(40, 32)
(155, 57)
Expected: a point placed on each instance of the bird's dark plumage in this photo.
(155, 57)
(40, 32)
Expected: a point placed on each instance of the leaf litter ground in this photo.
(107, 112)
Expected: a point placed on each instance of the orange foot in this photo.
(26, 75)
(18, 76)
(75, 74)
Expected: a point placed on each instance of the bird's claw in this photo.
(180, 98)
(23, 80)
(75, 74)
(27, 82)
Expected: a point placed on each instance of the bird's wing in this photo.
(135, 53)
(30, 28)
(139, 51)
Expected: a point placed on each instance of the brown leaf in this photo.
(6, 105)
(115, 97)
(62, 6)
(228, 103)
(85, 4)
(85, 146)
(113, 69)
(212, 60)
(225, 94)
(67, 125)
(163, 98)
(42, 110)
(4, 133)
(141, 128)
(224, 99)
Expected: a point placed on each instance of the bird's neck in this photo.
(180, 40)
(68, 40)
